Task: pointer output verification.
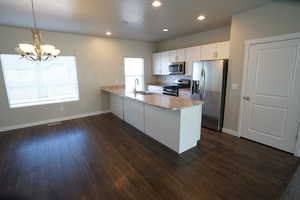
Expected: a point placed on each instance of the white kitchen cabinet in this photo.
(192, 54)
(215, 51)
(209, 52)
(177, 55)
(134, 113)
(116, 105)
(172, 56)
(165, 63)
(157, 64)
(179, 130)
(180, 55)
(223, 50)
(161, 63)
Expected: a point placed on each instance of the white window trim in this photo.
(143, 75)
(40, 101)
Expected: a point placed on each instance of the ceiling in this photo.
(128, 19)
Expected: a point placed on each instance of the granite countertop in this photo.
(158, 100)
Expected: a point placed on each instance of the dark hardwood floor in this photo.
(102, 157)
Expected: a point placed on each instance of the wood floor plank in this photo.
(102, 157)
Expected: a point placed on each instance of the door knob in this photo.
(246, 98)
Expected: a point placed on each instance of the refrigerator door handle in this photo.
(202, 85)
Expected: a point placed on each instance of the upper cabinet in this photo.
(209, 52)
(215, 51)
(161, 61)
(223, 50)
(156, 64)
(180, 55)
(192, 54)
(165, 62)
(177, 55)
(172, 56)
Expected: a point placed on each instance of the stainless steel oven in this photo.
(173, 90)
(177, 68)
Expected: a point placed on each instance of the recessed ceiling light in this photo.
(156, 3)
(201, 17)
(108, 33)
(165, 30)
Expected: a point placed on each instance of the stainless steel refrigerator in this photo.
(209, 85)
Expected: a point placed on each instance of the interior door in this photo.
(271, 112)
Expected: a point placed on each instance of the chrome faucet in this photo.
(136, 82)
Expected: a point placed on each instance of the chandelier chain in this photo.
(37, 51)
(33, 15)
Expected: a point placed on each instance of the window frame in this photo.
(143, 76)
(40, 101)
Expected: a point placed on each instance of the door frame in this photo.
(248, 45)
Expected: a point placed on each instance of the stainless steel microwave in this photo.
(177, 68)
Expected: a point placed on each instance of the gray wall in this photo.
(215, 35)
(99, 63)
(275, 18)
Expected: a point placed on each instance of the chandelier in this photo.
(37, 51)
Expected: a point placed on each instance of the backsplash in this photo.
(171, 78)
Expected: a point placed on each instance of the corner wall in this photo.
(99, 63)
(276, 18)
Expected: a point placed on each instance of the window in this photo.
(36, 83)
(134, 69)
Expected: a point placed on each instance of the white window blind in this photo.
(36, 83)
(134, 69)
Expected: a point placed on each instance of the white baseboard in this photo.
(14, 127)
(231, 132)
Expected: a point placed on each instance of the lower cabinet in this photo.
(179, 130)
(116, 105)
(134, 113)
(163, 126)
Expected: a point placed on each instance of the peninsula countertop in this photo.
(158, 100)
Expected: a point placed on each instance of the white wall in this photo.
(99, 63)
(275, 18)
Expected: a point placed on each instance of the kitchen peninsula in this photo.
(172, 121)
